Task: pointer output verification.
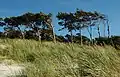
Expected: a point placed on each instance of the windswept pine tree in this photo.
(41, 24)
(79, 20)
(38, 22)
(67, 20)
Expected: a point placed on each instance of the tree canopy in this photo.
(39, 25)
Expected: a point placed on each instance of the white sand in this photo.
(10, 70)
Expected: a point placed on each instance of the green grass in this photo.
(47, 59)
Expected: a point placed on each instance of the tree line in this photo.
(39, 26)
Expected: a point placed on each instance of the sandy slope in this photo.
(10, 70)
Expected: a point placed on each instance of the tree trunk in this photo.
(104, 27)
(90, 33)
(22, 33)
(53, 33)
(39, 36)
(71, 36)
(108, 29)
(54, 38)
(98, 28)
(81, 43)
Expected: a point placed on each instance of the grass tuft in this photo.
(47, 59)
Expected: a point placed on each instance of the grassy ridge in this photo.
(47, 59)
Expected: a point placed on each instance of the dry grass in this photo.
(47, 59)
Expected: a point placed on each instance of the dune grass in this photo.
(49, 59)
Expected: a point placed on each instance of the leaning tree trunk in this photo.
(39, 35)
(104, 27)
(108, 29)
(81, 43)
(98, 28)
(22, 33)
(51, 26)
(90, 33)
(71, 36)
(54, 38)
